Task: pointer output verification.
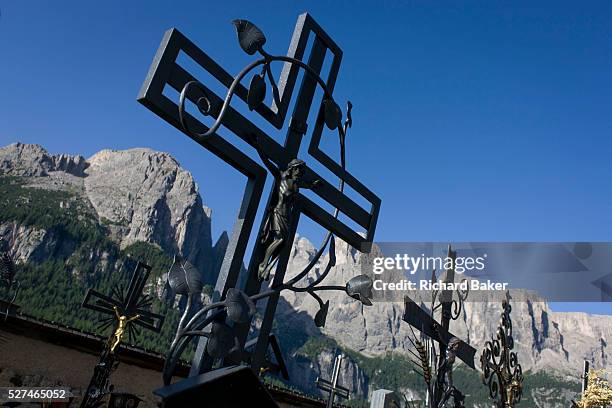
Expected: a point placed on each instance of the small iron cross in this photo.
(166, 76)
(122, 310)
(332, 386)
(421, 320)
(442, 388)
(129, 304)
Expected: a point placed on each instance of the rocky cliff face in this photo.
(545, 340)
(147, 197)
(139, 194)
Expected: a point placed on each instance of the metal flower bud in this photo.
(332, 114)
(360, 288)
(184, 278)
(250, 37)
(240, 308)
(221, 341)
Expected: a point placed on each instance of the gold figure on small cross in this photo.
(123, 322)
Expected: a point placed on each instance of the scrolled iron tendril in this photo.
(212, 312)
(204, 104)
(501, 371)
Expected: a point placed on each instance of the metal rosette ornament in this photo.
(501, 371)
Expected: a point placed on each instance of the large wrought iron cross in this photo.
(166, 74)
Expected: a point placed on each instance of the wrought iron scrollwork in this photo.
(456, 303)
(501, 371)
(237, 307)
(251, 40)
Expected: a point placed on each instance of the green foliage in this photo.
(151, 255)
(62, 212)
(79, 255)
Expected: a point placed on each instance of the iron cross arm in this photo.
(421, 320)
(166, 73)
(128, 306)
(328, 386)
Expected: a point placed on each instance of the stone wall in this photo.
(31, 362)
(41, 354)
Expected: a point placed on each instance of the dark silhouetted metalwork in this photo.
(501, 371)
(7, 277)
(437, 369)
(221, 332)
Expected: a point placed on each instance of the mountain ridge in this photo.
(143, 196)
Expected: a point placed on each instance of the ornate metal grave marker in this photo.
(122, 311)
(285, 204)
(501, 371)
(439, 379)
(7, 278)
(332, 386)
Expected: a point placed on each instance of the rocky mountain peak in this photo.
(32, 160)
(140, 194)
(544, 339)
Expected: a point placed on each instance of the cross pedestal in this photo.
(235, 386)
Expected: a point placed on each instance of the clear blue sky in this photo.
(486, 121)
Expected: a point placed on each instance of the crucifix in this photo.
(286, 203)
(440, 389)
(332, 386)
(121, 311)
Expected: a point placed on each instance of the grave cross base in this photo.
(235, 386)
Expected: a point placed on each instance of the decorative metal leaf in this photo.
(239, 307)
(360, 288)
(221, 340)
(184, 278)
(250, 37)
(257, 91)
(333, 116)
(321, 315)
